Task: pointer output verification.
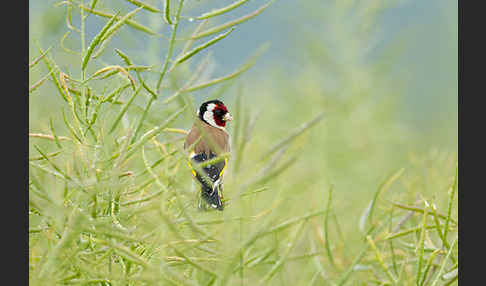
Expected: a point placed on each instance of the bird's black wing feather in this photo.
(213, 172)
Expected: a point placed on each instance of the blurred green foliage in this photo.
(101, 215)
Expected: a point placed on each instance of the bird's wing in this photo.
(213, 172)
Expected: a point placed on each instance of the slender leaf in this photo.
(124, 109)
(226, 25)
(97, 40)
(223, 10)
(194, 51)
(144, 6)
(131, 23)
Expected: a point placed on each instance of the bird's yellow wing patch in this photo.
(192, 154)
(224, 167)
(192, 169)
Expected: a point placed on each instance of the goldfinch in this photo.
(207, 139)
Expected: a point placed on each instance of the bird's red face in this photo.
(214, 113)
(220, 115)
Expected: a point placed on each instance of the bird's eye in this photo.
(219, 112)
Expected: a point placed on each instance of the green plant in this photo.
(110, 197)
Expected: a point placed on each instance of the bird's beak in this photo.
(227, 117)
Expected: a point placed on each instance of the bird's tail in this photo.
(211, 197)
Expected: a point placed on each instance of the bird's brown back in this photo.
(218, 136)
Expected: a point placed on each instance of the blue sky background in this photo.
(428, 65)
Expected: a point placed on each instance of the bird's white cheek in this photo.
(209, 118)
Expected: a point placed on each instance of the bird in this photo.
(206, 140)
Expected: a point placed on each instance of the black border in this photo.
(471, 86)
(15, 128)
